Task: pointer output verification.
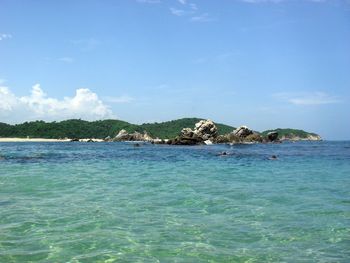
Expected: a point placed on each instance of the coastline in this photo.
(32, 140)
(43, 140)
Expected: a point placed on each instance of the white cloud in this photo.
(85, 104)
(5, 36)
(202, 18)
(190, 10)
(307, 98)
(66, 60)
(193, 6)
(177, 12)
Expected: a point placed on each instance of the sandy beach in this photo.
(42, 140)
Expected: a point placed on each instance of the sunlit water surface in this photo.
(113, 202)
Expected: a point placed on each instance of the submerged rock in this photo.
(273, 157)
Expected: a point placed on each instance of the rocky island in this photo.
(186, 131)
(206, 132)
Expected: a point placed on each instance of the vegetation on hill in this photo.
(101, 129)
(170, 129)
(98, 129)
(68, 128)
(290, 133)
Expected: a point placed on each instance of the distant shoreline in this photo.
(42, 140)
(32, 140)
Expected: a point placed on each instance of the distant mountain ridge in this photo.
(76, 128)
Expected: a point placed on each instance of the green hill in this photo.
(289, 133)
(68, 128)
(97, 129)
(101, 129)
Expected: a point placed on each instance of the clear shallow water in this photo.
(113, 202)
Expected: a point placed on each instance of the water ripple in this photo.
(112, 202)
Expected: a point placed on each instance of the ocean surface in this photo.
(114, 202)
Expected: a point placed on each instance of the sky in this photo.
(261, 63)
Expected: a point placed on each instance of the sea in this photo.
(121, 202)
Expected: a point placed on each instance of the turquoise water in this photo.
(113, 202)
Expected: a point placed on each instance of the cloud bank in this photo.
(85, 104)
(311, 98)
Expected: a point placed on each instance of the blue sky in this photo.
(261, 63)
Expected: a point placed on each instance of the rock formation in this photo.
(123, 135)
(254, 137)
(228, 138)
(272, 136)
(293, 137)
(206, 129)
(242, 131)
(204, 132)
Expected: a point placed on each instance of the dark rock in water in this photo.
(273, 157)
(137, 145)
(227, 138)
(186, 140)
(74, 140)
(272, 136)
(254, 137)
(222, 154)
(90, 140)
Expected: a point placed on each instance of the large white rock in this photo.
(242, 131)
(206, 129)
(121, 134)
